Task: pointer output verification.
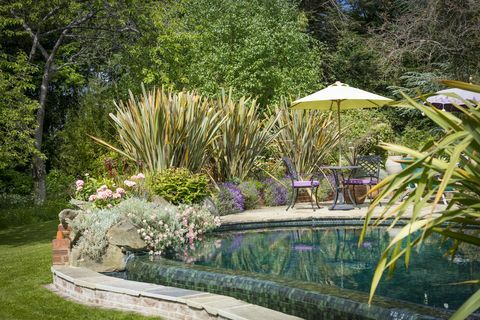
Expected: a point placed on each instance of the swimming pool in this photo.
(326, 261)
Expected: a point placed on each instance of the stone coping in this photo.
(86, 286)
(304, 211)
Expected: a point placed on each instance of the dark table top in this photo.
(339, 167)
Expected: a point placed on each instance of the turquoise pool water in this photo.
(331, 257)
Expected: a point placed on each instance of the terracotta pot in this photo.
(359, 195)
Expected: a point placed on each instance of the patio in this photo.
(304, 211)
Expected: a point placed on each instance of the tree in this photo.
(259, 48)
(427, 35)
(60, 33)
(17, 121)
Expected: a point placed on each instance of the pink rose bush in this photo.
(105, 193)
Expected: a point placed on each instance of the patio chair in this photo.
(367, 175)
(300, 184)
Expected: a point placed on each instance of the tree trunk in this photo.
(38, 164)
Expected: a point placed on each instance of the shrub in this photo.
(251, 193)
(274, 193)
(244, 135)
(105, 192)
(163, 129)
(59, 185)
(307, 137)
(229, 199)
(163, 228)
(179, 185)
(15, 182)
(94, 226)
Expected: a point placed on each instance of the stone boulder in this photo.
(67, 215)
(124, 234)
(82, 205)
(113, 260)
(162, 203)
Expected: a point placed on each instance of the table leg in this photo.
(339, 202)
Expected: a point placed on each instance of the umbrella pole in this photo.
(339, 134)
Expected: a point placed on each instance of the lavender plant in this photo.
(275, 193)
(251, 193)
(229, 199)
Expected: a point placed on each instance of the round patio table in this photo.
(339, 173)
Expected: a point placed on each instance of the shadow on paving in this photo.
(40, 232)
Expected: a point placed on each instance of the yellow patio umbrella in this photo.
(340, 96)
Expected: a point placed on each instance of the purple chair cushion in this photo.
(361, 181)
(305, 184)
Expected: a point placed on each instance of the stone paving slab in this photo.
(171, 293)
(132, 288)
(253, 312)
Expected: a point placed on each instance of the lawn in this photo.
(25, 260)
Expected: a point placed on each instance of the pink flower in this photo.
(79, 184)
(138, 176)
(102, 195)
(116, 195)
(92, 198)
(129, 183)
(79, 188)
(120, 191)
(109, 206)
(109, 193)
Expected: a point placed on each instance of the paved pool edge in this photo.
(86, 286)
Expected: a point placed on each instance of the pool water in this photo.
(331, 257)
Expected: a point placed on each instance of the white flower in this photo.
(129, 183)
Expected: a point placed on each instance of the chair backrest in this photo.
(369, 166)
(291, 171)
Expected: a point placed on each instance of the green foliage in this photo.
(414, 137)
(162, 129)
(179, 185)
(15, 182)
(76, 153)
(364, 130)
(17, 110)
(454, 158)
(307, 137)
(251, 193)
(355, 63)
(59, 185)
(261, 49)
(244, 135)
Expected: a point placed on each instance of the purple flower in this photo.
(230, 199)
(275, 194)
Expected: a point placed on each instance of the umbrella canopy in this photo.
(340, 96)
(445, 99)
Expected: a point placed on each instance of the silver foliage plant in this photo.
(161, 227)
